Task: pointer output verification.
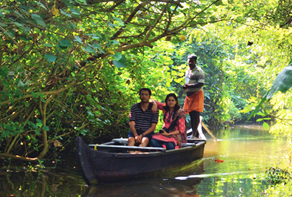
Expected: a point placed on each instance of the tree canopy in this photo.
(65, 65)
(71, 67)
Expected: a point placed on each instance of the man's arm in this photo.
(193, 85)
(151, 129)
(132, 121)
(154, 106)
(132, 128)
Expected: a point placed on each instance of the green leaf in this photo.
(20, 83)
(33, 125)
(34, 95)
(42, 5)
(46, 128)
(90, 113)
(283, 81)
(18, 24)
(118, 64)
(261, 114)
(118, 56)
(50, 58)
(47, 45)
(65, 43)
(257, 108)
(111, 25)
(26, 29)
(97, 46)
(266, 126)
(219, 2)
(78, 39)
(4, 72)
(38, 19)
(72, 25)
(121, 22)
(115, 42)
(37, 131)
(83, 2)
(75, 12)
(16, 12)
(64, 13)
(88, 49)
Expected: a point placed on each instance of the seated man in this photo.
(142, 120)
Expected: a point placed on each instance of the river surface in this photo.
(233, 166)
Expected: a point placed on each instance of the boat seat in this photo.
(123, 141)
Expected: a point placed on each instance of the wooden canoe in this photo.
(112, 161)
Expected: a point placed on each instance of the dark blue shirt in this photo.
(143, 119)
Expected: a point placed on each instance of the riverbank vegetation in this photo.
(72, 68)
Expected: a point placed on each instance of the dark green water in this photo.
(246, 152)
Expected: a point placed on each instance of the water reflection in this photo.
(41, 183)
(246, 151)
(153, 187)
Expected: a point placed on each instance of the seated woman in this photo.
(173, 131)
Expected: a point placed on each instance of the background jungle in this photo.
(74, 67)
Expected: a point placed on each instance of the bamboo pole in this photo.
(206, 128)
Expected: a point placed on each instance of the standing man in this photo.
(194, 101)
(142, 120)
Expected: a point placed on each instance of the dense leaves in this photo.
(282, 83)
(74, 67)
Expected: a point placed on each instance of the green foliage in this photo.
(228, 83)
(276, 175)
(74, 67)
(282, 83)
(280, 180)
(281, 189)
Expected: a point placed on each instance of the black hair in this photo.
(145, 89)
(176, 107)
(193, 56)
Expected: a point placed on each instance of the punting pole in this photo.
(200, 131)
(206, 128)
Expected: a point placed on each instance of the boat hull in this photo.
(101, 166)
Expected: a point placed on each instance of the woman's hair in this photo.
(176, 107)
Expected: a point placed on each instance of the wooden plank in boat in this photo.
(121, 147)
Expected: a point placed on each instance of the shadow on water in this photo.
(164, 185)
(70, 183)
(243, 152)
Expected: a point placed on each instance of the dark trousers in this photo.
(195, 120)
